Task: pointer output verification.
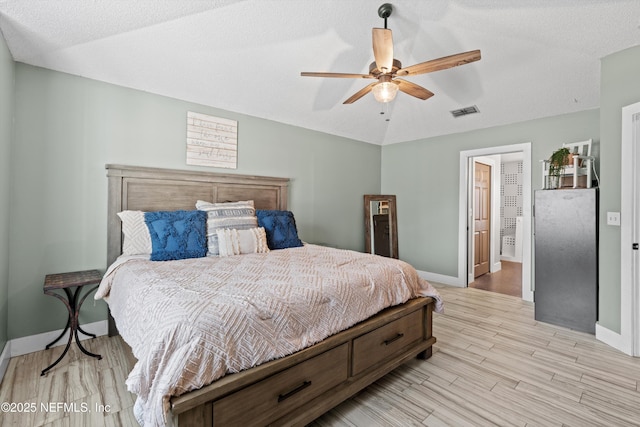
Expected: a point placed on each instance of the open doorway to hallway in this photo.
(510, 262)
(505, 275)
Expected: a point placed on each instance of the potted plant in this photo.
(557, 162)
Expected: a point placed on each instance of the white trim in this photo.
(25, 345)
(4, 359)
(441, 278)
(612, 339)
(471, 167)
(629, 234)
(525, 148)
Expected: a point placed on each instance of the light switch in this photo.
(613, 218)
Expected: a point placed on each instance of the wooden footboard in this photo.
(297, 389)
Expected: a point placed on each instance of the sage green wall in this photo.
(6, 126)
(620, 86)
(424, 174)
(67, 128)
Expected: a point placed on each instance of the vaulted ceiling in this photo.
(539, 57)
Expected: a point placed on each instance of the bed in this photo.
(295, 387)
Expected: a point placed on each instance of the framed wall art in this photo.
(212, 141)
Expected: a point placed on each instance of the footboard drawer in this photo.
(387, 340)
(273, 397)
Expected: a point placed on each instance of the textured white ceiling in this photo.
(539, 57)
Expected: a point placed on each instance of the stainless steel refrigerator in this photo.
(566, 258)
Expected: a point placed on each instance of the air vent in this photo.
(465, 111)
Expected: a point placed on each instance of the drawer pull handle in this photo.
(288, 394)
(390, 340)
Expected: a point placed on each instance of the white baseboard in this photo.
(4, 359)
(441, 278)
(613, 339)
(495, 267)
(25, 345)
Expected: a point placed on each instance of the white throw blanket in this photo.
(190, 322)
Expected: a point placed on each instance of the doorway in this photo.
(497, 217)
(497, 237)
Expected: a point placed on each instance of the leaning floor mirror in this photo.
(381, 229)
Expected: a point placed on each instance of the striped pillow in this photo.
(237, 215)
(237, 242)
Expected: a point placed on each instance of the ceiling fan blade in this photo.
(440, 63)
(383, 49)
(359, 94)
(413, 89)
(339, 75)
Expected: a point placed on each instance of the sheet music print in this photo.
(212, 141)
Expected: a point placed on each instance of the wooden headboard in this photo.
(154, 189)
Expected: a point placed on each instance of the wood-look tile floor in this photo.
(493, 365)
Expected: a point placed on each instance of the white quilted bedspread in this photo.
(190, 322)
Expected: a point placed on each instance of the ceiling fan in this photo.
(386, 69)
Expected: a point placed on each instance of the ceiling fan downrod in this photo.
(384, 12)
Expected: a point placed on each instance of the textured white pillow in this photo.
(236, 242)
(137, 240)
(236, 215)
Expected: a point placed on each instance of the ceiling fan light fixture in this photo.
(385, 91)
(388, 70)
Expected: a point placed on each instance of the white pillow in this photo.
(236, 242)
(236, 215)
(137, 240)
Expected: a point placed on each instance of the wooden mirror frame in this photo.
(393, 223)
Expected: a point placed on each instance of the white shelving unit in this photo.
(582, 165)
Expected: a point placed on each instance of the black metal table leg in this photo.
(67, 303)
(73, 307)
(82, 331)
(82, 349)
(77, 311)
(66, 328)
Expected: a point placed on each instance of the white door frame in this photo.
(463, 229)
(630, 231)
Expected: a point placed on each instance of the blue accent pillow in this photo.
(177, 234)
(280, 228)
